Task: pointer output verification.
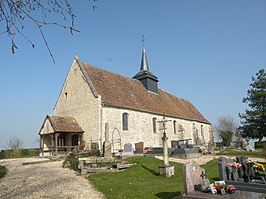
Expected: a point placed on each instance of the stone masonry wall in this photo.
(77, 100)
(140, 127)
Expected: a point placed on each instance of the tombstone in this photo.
(205, 184)
(224, 173)
(128, 150)
(242, 171)
(139, 148)
(107, 143)
(192, 175)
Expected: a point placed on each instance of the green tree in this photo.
(226, 128)
(253, 121)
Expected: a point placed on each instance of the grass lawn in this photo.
(139, 181)
(3, 171)
(143, 180)
(233, 152)
(211, 170)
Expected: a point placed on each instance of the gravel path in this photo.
(44, 180)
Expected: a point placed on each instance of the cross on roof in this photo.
(142, 40)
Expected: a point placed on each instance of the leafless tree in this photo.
(14, 143)
(226, 128)
(14, 14)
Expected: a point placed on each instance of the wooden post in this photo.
(81, 141)
(56, 143)
(42, 144)
(52, 138)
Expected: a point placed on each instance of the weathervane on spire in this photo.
(142, 40)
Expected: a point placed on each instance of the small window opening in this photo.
(125, 121)
(154, 122)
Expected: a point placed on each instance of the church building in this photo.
(92, 97)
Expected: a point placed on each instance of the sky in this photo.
(204, 51)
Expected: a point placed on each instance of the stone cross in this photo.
(165, 138)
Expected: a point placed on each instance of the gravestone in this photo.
(205, 184)
(224, 173)
(107, 143)
(128, 150)
(242, 171)
(192, 175)
(139, 148)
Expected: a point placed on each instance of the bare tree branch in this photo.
(14, 143)
(13, 14)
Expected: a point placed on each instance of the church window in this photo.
(65, 95)
(125, 121)
(154, 121)
(174, 123)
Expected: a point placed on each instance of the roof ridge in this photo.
(105, 70)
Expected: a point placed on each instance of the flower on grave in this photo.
(234, 165)
(230, 188)
(219, 186)
(258, 167)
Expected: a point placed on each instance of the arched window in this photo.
(154, 121)
(174, 123)
(125, 121)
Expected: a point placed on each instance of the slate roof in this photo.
(120, 91)
(64, 124)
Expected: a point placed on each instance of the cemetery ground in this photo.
(143, 179)
(50, 180)
(43, 180)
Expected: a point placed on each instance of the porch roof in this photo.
(64, 124)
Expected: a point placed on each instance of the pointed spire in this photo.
(145, 76)
(144, 63)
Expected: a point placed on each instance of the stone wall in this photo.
(77, 100)
(140, 127)
(47, 129)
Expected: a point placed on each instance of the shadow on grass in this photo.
(165, 195)
(150, 170)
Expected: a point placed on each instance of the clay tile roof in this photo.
(65, 124)
(120, 91)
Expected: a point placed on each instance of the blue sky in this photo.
(202, 50)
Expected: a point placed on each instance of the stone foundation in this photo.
(167, 170)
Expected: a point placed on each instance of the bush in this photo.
(3, 171)
(71, 162)
(34, 152)
(16, 153)
(89, 153)
(260, 145)
(24, 152)
(12, 153)
(2, 154)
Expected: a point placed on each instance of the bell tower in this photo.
(145, 76)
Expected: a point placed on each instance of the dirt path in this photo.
(45, 180)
